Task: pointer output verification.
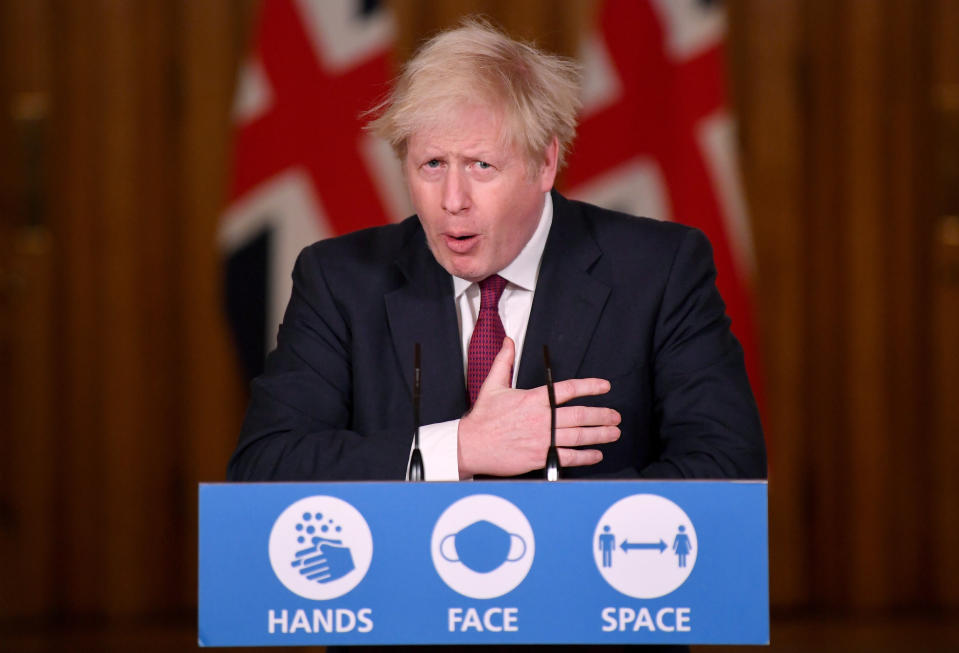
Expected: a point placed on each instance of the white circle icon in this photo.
(645, 546)
(320, 547)
(482, 546)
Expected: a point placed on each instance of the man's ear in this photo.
(547, 173)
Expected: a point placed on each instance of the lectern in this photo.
(490, 562)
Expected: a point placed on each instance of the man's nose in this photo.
(456, 197)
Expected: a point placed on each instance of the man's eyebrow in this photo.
(483, 154)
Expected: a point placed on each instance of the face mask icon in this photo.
(482, 546)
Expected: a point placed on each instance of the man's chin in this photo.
(473, 277)
(471, 273)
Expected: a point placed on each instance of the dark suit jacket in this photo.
(627, 299)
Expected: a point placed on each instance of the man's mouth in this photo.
(460, 243)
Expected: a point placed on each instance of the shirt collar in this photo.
(523, 270)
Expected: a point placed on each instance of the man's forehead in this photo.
(454, 140)
(463, 127)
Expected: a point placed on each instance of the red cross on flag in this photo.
(303, 168)
(656, 139)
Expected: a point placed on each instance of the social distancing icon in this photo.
(645, 546)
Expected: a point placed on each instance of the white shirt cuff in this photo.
(438, 445)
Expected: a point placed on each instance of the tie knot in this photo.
(491, 289)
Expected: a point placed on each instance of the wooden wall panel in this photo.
(27, 369)
(865, 370)
(838, 178)
(764, 69)
(825, 424)
(943, 451)
(128, 393)
(132, 466)
(904, 55)
(77, 235)
(859, 224)
(210, 398)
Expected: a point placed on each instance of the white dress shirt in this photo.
(438, 442)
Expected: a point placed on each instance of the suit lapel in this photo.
(568, 301)
(422, 310)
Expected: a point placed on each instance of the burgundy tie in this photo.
(488, 334)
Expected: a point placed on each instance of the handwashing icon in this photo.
(482, 546)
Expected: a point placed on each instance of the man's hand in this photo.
(507, 431)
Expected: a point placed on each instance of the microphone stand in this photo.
(552, 454)
(417, 472)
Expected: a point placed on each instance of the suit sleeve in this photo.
(298, 426)
(708, 422)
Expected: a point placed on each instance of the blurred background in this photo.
(121, 169)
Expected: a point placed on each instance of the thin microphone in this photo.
(552, 454)
(417, 473)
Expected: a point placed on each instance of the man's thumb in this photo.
(501, 372)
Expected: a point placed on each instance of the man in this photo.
(651, 380)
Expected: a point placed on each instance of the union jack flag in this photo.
(303, 169)
(656, 138)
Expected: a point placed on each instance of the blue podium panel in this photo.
(493, 562)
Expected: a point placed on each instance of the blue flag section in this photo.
(579, 562)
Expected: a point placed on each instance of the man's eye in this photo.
(433, 163)
(482, 165)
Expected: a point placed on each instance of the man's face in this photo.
(475, 196)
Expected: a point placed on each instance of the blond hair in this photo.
(475, 63)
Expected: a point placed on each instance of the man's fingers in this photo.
(588, 435)
(568, 416)
(572, 388)
(501, 372)
(579, 457)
